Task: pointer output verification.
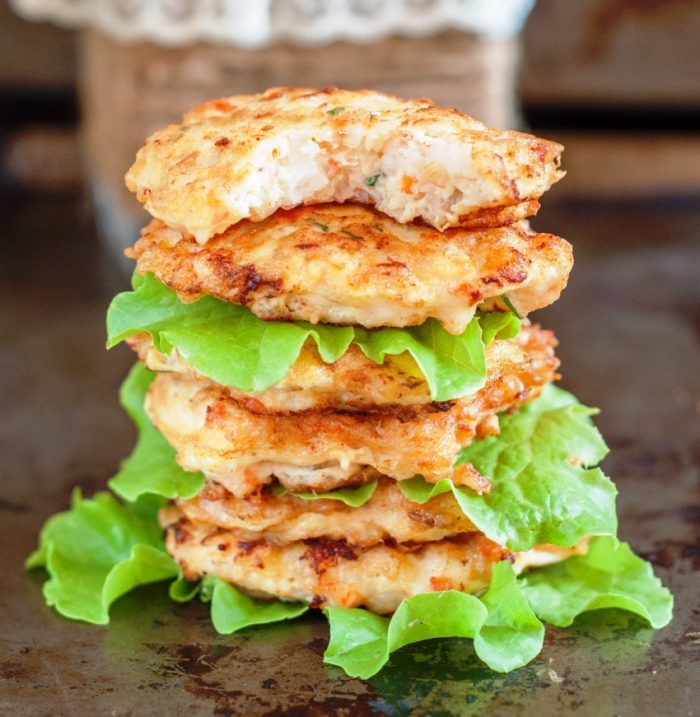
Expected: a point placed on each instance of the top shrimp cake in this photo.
(248, 156)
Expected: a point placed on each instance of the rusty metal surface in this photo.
(630, 331)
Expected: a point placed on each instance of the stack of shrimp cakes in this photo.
(351, 274)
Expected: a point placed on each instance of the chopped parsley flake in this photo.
(509, 304)
(322, 227)
(371, 181)
(351, 235)
(334, 111)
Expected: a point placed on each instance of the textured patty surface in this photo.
(217, 434)
(334, 572)
(330, 572)
(386, 516)
(348, 264)
(355, 382)
(247, 156)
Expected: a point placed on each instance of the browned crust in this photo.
(341, 263)
(357, 383)
(332, 572)
(398, 441)
(387, 516)
(488, 217)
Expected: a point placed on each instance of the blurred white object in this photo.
(144, 62)
(256, 23)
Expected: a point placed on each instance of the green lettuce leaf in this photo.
(97, 551)
(182, 590)
(542, 490)
(231, 610)
(610, 575)
(420, 491)
(453, 366)
(151, 467)
(511, 634)
(353, 497)
(498, 325)
(506, 632)
(230, 345)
